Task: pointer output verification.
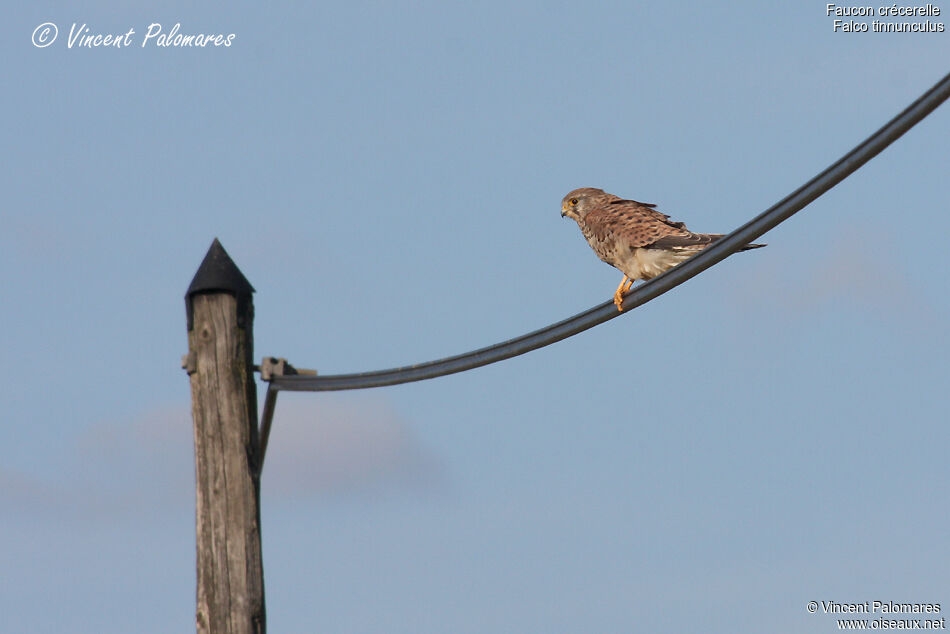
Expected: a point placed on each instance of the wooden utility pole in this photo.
(227, 450)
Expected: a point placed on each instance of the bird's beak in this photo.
(563, 210)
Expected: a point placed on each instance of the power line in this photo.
(649, 290)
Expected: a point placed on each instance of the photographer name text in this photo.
(154, 36)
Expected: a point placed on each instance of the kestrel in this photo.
(633, 236)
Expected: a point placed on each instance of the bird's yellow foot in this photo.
(625, 285)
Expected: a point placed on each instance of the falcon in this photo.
(633, 236)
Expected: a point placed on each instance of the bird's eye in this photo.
(573, 201)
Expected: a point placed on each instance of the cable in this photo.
(651, 289)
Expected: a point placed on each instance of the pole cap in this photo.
(218, 274)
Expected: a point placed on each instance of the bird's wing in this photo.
(645, 208)
(693, 242)
(688, 241)
(635, 223)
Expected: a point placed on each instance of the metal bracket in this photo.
(277, 366)
(269, 368)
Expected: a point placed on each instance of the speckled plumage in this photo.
(632, 236)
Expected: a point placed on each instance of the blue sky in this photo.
(388, 176)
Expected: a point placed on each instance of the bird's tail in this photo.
(717, 236)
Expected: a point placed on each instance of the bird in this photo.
(632, 236)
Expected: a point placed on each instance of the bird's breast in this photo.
(604, 246)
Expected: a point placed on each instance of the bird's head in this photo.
(577, 203)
